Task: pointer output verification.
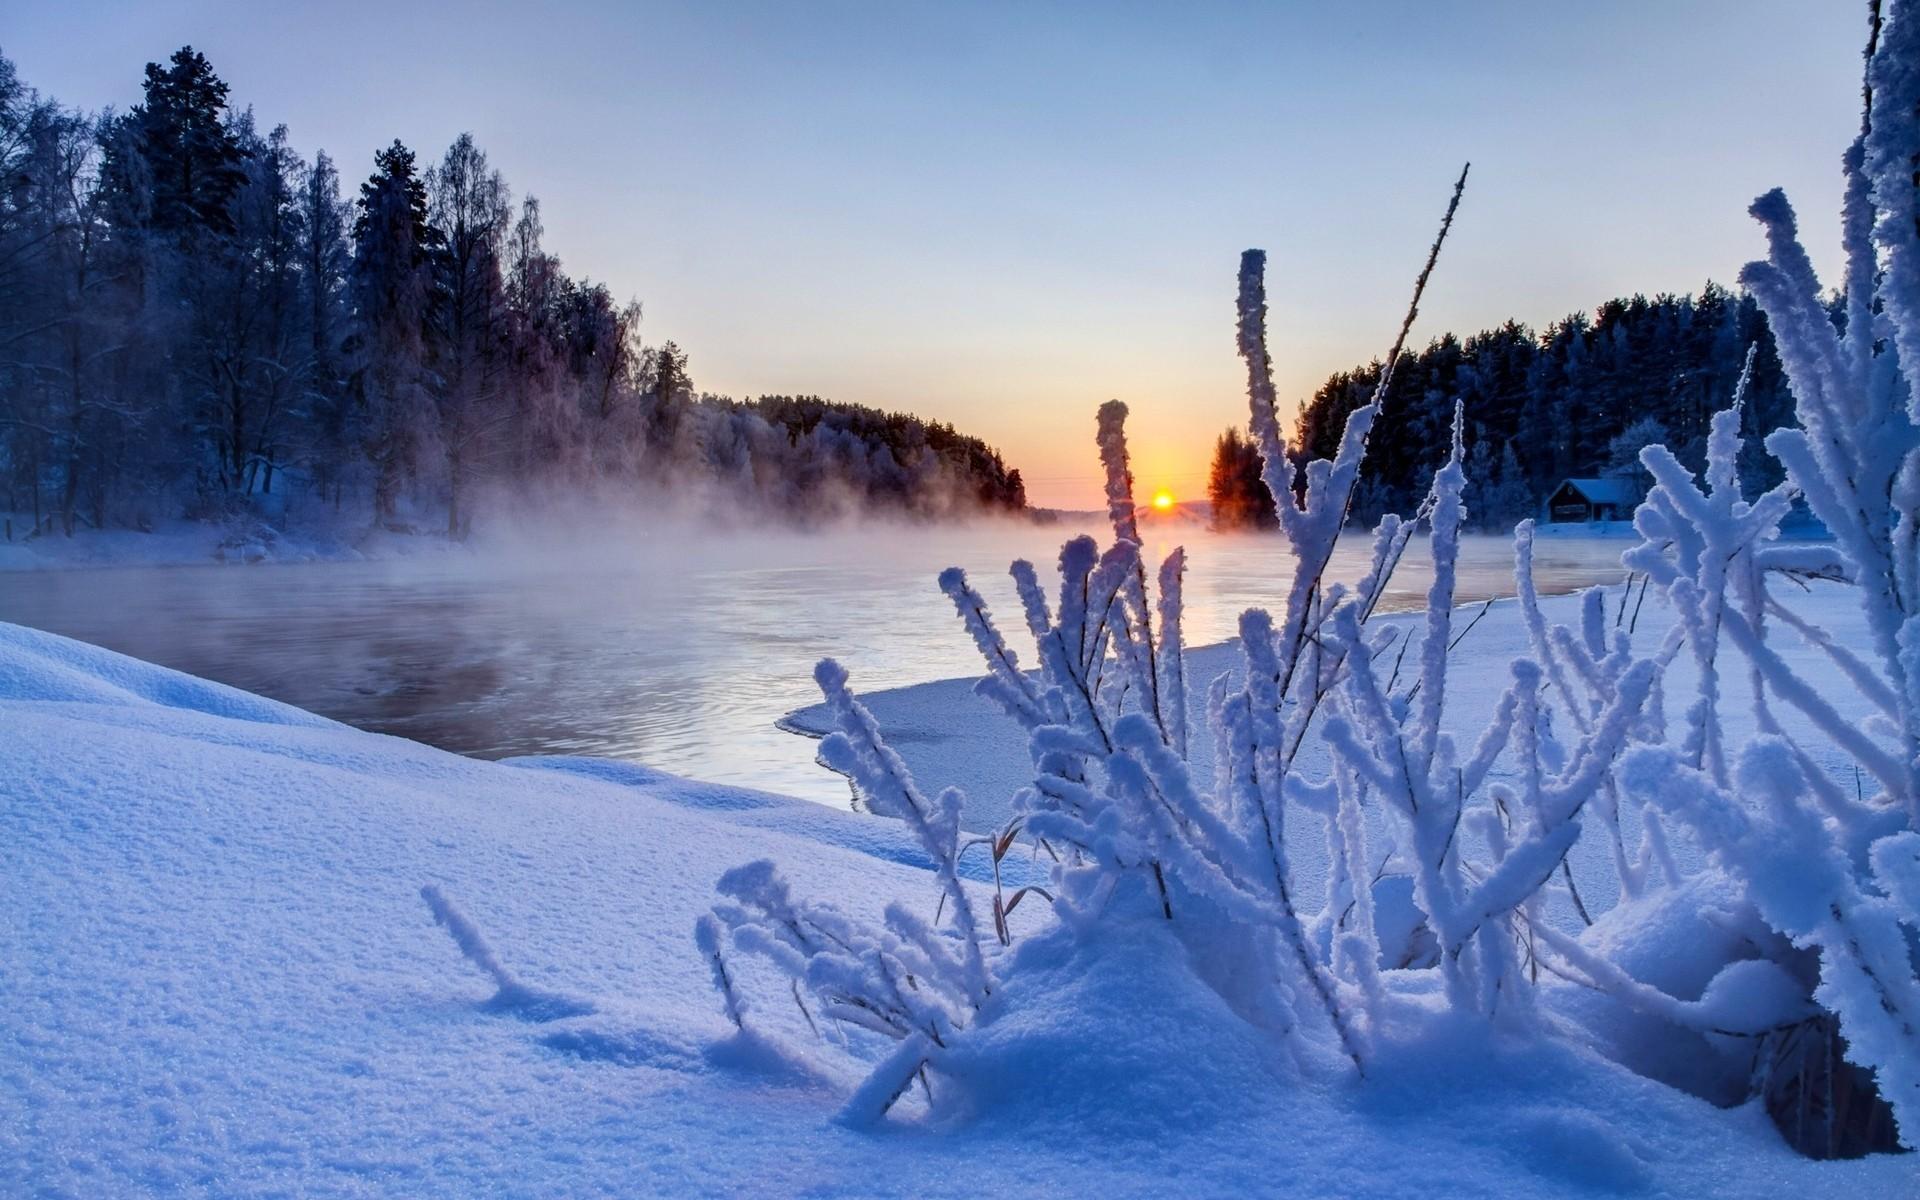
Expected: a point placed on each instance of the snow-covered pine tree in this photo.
(178, 170)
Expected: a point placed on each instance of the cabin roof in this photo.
(1604, 491)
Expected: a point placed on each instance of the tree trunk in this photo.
(454, 485)
(69, 495)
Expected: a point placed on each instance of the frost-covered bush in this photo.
(1136, 833)
(1441, 890)
(1822, 864)
(904, 981)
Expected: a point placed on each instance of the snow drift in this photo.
(220, 980)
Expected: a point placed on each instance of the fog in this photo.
(673, 642)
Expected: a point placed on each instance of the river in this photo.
(678, 649)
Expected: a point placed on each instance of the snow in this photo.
(1618, 492)
(1134, 842)
(1582, 530)
(250, 951)
(222, 980)
(984, 754)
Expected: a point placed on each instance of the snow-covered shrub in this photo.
(902, 981)
(1444, 892)
(1824, 866)
(1138, 832)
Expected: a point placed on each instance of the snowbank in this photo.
(951, 737)
(221, 979)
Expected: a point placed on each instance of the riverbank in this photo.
(176, 543)
(318, 535)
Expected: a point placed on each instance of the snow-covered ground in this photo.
(951, 737)
(218, 977)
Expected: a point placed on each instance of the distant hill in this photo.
(1183, 512)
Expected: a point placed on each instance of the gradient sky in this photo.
(1003, 215)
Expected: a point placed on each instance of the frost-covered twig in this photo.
(510, 994)
(707, 934)
(1806, 887)
(466, 935)
(857, 750)
(1812, 859)
(901, 980)
(1313, 521)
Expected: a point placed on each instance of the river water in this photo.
(678, 649)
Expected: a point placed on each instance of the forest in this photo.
(1579, 400)
(198, 322)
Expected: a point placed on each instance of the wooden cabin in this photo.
(1583, 501)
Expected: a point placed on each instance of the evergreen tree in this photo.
(188, 165)
(391, 287)
(249, 353)
(672, 390)
(1497, 496)
(1238, 494)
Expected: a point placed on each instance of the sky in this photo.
(1003, 215)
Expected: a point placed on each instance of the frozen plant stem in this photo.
(1313, 523)
(466, 935)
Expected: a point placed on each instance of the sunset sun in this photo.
(1163, 499)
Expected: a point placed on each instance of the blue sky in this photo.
(1003, 215)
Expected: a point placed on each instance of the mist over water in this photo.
(677, 647)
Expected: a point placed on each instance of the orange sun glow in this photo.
(1163, 499)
